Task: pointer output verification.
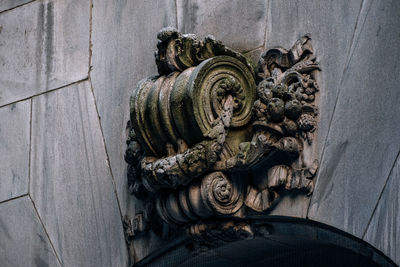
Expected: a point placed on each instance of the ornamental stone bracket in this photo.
(213, 142)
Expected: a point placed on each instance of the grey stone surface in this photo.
(71, 183)
(294, 205)
(238, 24)
(14, 149)
(8, 4)
(23, 241)
(332, 39)
(383, 230)
(43, 45)
(362, 143)
(123, 54)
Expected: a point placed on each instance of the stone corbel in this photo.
(212, 139)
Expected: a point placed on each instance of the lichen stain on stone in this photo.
(45, 43)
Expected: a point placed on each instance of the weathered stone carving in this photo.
(211, 138)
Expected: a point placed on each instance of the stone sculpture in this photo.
(212, 141)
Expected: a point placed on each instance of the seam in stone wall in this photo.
(380, 195)
(17, 6)
(45, 230)
(353, 43)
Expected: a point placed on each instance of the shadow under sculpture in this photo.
(213, 142)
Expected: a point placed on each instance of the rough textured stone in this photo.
(383, 230)
(362, 143)
(23, 241)
(238, 24)
(71, 183)
(123, 53)
(8, 4)
(43, 45)
(14, 149)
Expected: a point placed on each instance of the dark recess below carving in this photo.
(289, 242)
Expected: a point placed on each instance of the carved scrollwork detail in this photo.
(215, 195)
(177, 51)
(221, 189)
(209, 138)
(186, 106)
(223, 194)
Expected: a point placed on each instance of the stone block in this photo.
(14, 149)
(43, 45)
(238, 24)
(123, 54)
(8, 4)
(23, 241)
(362, 144)
(383, 230)
(331, 25)
(332, 39)
(71, 183)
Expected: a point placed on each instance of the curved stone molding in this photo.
(210, 139)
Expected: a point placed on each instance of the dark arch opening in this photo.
(289, 242)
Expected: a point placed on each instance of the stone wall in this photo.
(68, 69)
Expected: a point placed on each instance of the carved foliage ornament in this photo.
(210, 137)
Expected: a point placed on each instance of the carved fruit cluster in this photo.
(286, 106)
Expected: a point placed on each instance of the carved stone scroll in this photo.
(212, 139)
(185, 106)
(215, 195)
